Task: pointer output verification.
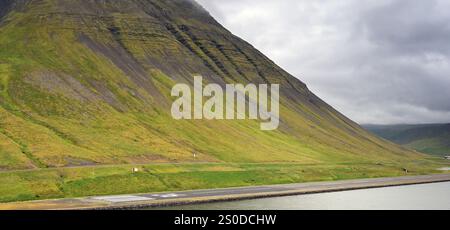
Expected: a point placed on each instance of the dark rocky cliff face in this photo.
(92, 78)
(5, 7)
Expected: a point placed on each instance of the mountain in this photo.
(86, 83)
(427, 138)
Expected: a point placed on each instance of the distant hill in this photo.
(430, 138)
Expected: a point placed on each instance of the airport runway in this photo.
(137, 201)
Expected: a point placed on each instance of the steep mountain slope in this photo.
(433, 138)
(88, 82)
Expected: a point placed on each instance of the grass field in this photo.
(107, 180)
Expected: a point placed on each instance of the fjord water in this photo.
(434, 196)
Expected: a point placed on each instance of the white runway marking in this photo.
(171, 195)
(120, 199)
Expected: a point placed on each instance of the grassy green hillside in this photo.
(87, 84)
(433, 138)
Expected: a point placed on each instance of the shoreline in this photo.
(154, 200)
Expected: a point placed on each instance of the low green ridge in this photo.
(433, 139)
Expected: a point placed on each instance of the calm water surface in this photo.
(421, 197)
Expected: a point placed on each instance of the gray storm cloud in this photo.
(383, 61)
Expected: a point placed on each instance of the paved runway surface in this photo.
(189, 197)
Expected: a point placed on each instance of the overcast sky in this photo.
(379, 61)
